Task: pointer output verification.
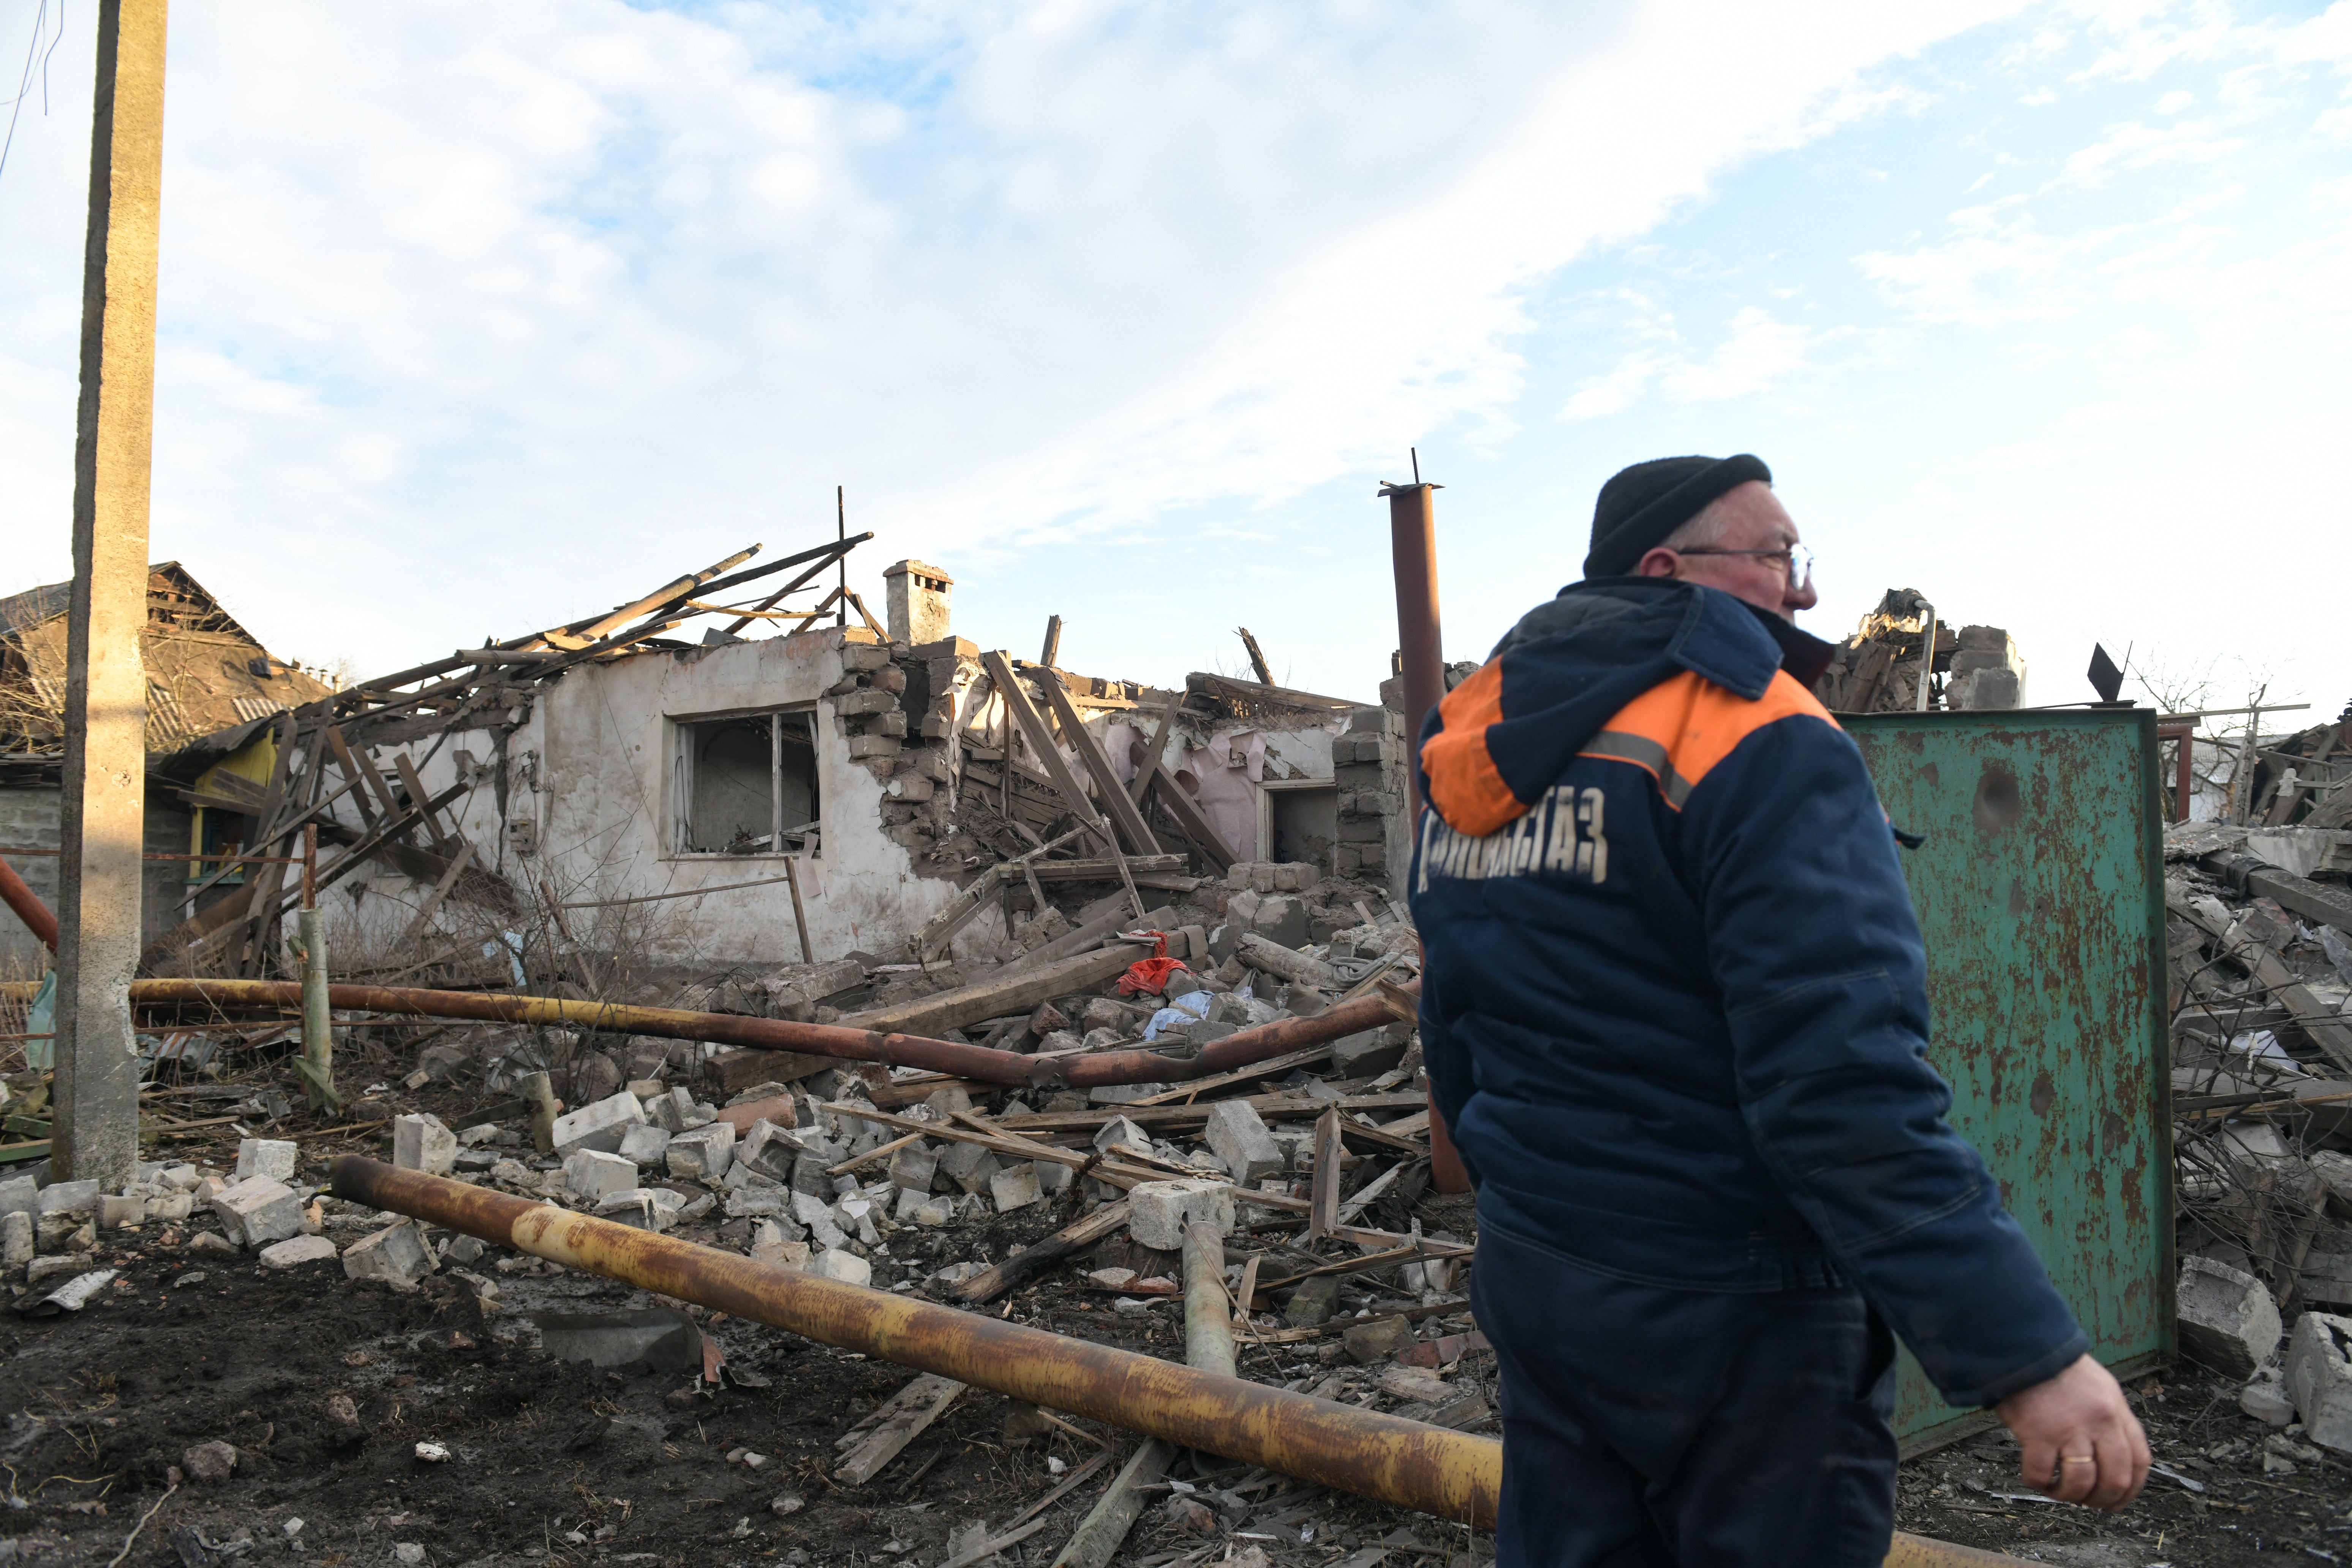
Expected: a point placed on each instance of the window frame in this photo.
(682, 729)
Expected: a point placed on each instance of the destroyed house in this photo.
(211, 686)
(823, 791)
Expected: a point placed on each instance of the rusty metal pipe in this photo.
(1450, 1474)
(1412, 544)
(977, 1063)
(27, 904)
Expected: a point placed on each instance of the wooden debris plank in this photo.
(1085, 938)
(372, 792)
(1154, 747)
(997, 995)
(879, 1439)
(433, 901)
(1192, 819)
(2312, 1015)
(1323, 1215)
(993, 1281)
(1122, 811)
(415, 786)
(1041, 741)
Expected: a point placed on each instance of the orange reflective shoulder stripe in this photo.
(1679, 729)
(1463, 782)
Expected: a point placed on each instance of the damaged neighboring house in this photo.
(211, 687)
(1879, 669)
(606, 787)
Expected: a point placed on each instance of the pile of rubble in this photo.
(1879, 669)
(2260, 976)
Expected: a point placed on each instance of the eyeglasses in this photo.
(1796, 561)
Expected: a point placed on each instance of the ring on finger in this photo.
(2077, 1459)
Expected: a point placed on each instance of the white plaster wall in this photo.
(592, 768)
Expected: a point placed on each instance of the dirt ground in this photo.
(557, 1463)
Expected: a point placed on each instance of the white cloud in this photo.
(471, 315)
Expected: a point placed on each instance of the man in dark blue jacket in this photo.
(1675, 1015)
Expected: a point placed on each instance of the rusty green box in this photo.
(2040, 894)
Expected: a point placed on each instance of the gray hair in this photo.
(1702, 532)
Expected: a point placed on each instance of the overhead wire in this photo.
(25, 81)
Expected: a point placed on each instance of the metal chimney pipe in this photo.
(1412, 544)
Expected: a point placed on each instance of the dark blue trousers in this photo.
(1651, 1427)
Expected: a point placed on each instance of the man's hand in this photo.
(2082, 1442)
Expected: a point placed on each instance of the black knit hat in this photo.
(1643, 504)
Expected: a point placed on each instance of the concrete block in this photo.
(2334, 1171)
(113, 1213)
(1015, 1189)
(296, 1250)
(2267, 1402)
(1282, 921)
(912, 1168)
(68, 1199)
(645, 1208)
(643, 1144)
(680, 1111)
(601, 1126)
(968, 1166)
(1375, 1340)
(259, 1212)
(770, 1151)
(1157, 1212)
(1120, 1129)
(813, 1173)
(2226, 1316)
(16, 1239)
(1237, 1135)
(833, 1263)
(20, 1194)
(1052, 1178)
(2319, 1378)
(1371, 1053)
(421, 1144)
(593, 1173)
(397, 1255)
(270, 1157)
(703, 1154)
(922, 1208)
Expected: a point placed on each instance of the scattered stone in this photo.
(912, 1168)
(1053, 1176)
(20, 1194)
(443, 1064)
(1375, 1340)
(1188, 1515)
(43, 1270)
(270, 1157)
(2267, 1402)
(1015, 1189)
(833, 1263)
(787, 1503)
(1371, 1053)
(208, 1464)
(397, 1255)
(210, 1241)
(1237, 1135)
(594, 1077)
(770, 1151)
(2227, 1318)
(408, 1554)
(76, 1200)
(191, 1278)
(464, 1249)
(1120, 1129)
(643, 1144)
(259, 1212)
(600, 1127)
(297, 1250)
(702, 1154)
(968, 1166)
(1313, 1302)
(421, 1143)
(2319, 1378)
(592, 1175)
(645, 1208)
(433, 1453)
(678, 1112)
(16, 1238)
(1157, 1212)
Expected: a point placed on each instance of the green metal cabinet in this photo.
(2040, 891)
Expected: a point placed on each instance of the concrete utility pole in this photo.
(96, 1096)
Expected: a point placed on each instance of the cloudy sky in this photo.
(476, 319)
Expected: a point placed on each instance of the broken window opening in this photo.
(747, 783)
(1299, 822)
